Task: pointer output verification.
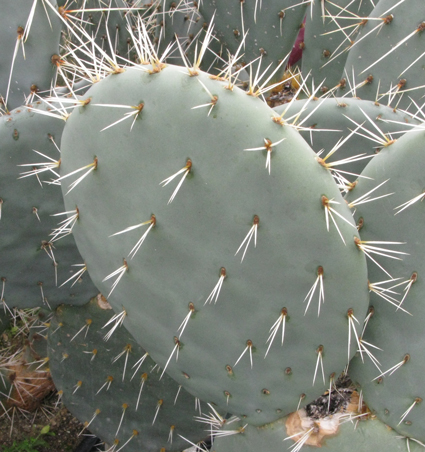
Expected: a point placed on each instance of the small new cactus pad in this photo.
(221, 235)
(393, 385)
(29, 36)
(37, 252)
(112, 385)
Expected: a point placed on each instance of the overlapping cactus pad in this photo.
(254, 30)
(37, 253)
(112, 384)
(30, 35)
(393, 385)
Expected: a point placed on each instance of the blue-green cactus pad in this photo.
(327, 121)
(394, 387)
(200, 231)
(32, 267)
(159, 411)
(32, 68)
(329, 32)
(271, 28)
(389, 49)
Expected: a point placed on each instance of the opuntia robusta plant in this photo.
(252, 252)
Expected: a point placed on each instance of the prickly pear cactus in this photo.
(221, 240)
(346, 132)
(329, 34)
(181, 26)
(30, 36)
(253, 30)
(37, 251)
(392, 384)
(105, 23)
(384, 62)
(218, 259)
(111, 384)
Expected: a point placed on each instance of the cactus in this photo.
(106, 25)
(255, 30)
(113, 386)
(334, 434)
(326, 46)
(30, 35)
(346, 132)
(386, 64)
(238, 257)
(183, 26)
(243, 199)
(392, 387)
(5, 319)
(37, 252)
